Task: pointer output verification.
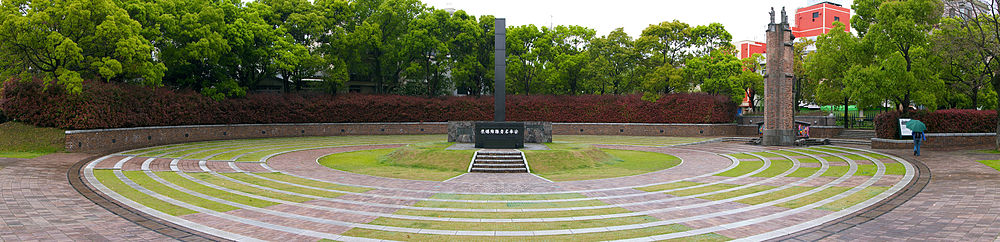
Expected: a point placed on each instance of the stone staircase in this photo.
(499, 161)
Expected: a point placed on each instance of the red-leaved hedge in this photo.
(941, 121)
(103, 105)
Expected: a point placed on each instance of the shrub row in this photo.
(941, 121)
(103, 105)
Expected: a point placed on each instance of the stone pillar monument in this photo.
(779, 96)
(500, 70)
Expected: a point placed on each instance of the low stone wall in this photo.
(815, 132)
(962, 141)
(813, 120)
(640, 129)
(112, 140)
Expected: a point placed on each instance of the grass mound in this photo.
(421, 161)
(571, 162)
(26, 141)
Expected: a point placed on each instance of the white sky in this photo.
(744, 19)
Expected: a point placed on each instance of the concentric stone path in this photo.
(278, 191)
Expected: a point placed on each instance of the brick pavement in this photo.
(37, 203)
(959, 203)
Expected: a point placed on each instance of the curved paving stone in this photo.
(328, 217)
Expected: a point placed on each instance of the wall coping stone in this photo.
(959, 134)
(645, 124)
(236, 125)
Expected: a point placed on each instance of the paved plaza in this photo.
(719, 191)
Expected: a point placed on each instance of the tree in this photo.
(961, 66)
(718, 73)
(68, 41)
(805, 86)
(620, 61)
(375, 35)
(525, 45)
(667, 41)
(899, 67)
(570, 57)
(837, 53)
(982, 28)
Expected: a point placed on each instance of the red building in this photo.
(818, 19)
(810, 22)
(749, 47)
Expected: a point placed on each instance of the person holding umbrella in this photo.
(918, 129)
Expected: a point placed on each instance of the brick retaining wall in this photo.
(112, 140)
(948, 141)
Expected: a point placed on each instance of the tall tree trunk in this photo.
(995, 80)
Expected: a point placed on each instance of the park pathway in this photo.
(959, 203)
(37, 203)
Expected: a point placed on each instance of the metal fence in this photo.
(858, 119)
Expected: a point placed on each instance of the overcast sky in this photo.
(744, 19)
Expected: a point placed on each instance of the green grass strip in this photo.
(813, 198)
(737, 193)
(174, 178)
(743, 156)
(768, 155)
(836, 171)
(807, 151)
(246, 189)
(853, 199)
(804, 172)
(827, 150)
(313, 183)
(777, 167)
(783, 193)
(509, 205)
(450, 196)
(521, 226)
(807, 160)
(108, 179)
(743, 168)
(280, 186)
(855, 157)
(833, 159)
(140, 177)
(22, 155)
(890, 169)
(669, 186)
(995, 164)
(502, 215)
(600, 236)
(788, 153)
(704, 189)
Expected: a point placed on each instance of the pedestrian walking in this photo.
(918, 129)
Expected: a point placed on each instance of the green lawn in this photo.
(218, 181)
(174, 178)
(777, 167)
(704, 189)
(813, 198)
(26, 141)
(737, 193)
(376, 163)
(995, 164)
(571, 162)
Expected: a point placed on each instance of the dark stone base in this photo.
(535, 132)
(499, 135)
(777, 137)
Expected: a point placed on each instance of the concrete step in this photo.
(499, 161)
(518, 156)
(500, 170)
(478, 165)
